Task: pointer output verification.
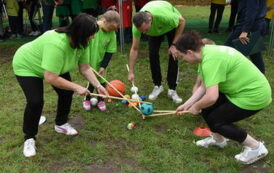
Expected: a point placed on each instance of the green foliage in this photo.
(159, 144)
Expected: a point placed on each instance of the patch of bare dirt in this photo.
(160, 128)
(77, 122)
(259, 166)
(108, 167)
(58, 166)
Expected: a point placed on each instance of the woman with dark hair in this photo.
(51, 57)
(223, 95)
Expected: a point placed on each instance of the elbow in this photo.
(212, 99)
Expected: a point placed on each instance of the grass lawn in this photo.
(157, 144)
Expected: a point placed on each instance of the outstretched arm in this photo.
(132, 58)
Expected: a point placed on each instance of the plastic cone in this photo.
(202, 131)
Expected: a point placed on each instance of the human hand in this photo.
(101, 71)
(102, 90)
(173, 51)
(131, 77)
(243, 38)
(194, 110)
(82, 91)
(182, 108)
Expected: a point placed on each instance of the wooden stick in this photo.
(163, 111)
(135, 91)
(116, 90)
(118, 98)
(167, 113)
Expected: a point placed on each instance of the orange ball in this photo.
(119, 85)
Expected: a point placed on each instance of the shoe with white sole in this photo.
(209, 141)
(102, 106)
(174, 96)
(66, 129)
(156, 91)
(250, 155)
(87, 105)
(29, 148)
(42, 120)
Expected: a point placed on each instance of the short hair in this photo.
(111, 16)
(140, 18)
(82, 27)
(189, 41)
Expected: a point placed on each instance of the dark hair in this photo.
(140, 18)
(189, 41)
(82, 27)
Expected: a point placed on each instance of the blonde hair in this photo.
(111, 16)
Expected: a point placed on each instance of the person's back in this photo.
(228, 65)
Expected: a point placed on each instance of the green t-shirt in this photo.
(165, 18)
(238, 78)
(102, 43)
(51, 52)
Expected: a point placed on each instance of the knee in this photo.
(35, 103)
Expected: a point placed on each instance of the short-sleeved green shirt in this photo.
(238, 78)
(102, 43)
(51, 52)
(165, 18)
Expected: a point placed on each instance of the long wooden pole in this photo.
(116, 91)
(166, 113)
(118, 98)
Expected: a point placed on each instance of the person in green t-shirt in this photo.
(101, 49)
(51, 57)
(158, 19)
(230, 88)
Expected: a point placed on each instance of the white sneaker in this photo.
(174, 96)
(66, 129)
(29, 148)
(31, 33)
(42, 120)
(250, 155)
(36, 33)
(210, 141)
(156, 91)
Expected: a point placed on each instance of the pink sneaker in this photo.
(102, 106)
(86, 105)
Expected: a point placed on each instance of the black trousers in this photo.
(34, 7)
(213, 9)
(233, 13)
(222, 114)
(154, 43)
(33, 89)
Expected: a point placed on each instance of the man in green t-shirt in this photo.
(158, 19)
(101, 49)
(230, 88)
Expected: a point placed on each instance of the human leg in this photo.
(213, 8)
(220, 10)
(33, 90)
